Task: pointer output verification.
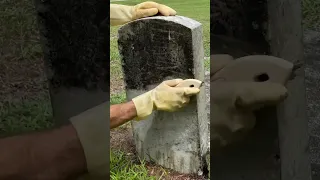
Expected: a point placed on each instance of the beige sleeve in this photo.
(93, 130)
(120, 14)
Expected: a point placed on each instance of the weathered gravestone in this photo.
(286, 41)
(278, 146)
(75, 39)
(155, 49)
(312, 56)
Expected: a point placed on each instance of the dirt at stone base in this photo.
(122, 139)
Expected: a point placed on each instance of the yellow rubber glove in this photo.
(233, 105)
(121, 14)
(165, 97)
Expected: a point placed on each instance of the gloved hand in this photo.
(165, 97)
(121, 14)
(233, 105)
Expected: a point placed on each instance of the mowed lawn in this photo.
(198, 10)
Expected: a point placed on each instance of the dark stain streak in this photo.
(296, 66)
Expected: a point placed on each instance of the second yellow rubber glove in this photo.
(121, 14)
(165, 97)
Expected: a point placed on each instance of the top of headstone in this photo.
(187, 22)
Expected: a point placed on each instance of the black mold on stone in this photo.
(150, 54)
(234, 21)
(75, 37)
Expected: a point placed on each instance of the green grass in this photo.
(19, 31)
(118, 98)
(311, 12)
(123, 167)
(25, 116)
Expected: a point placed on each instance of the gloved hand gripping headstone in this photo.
(152, 50)
(239, 88)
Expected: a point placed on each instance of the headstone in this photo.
(75, 39)
(152, 50)
(312, 57)
(257, 156)
(286, 41)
